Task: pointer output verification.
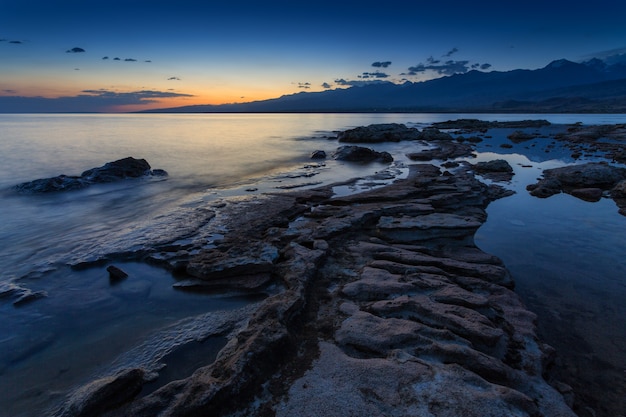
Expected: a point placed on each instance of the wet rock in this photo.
(587, 194)
(104, 394)
(386, 132)
(519, 136)
(472, 125)
(245, 259)
(318, 154)
(111, 171)
(496, 170)
(586, 181)
(361, 154)
(116, 274)
(442, 150)
(18, 294)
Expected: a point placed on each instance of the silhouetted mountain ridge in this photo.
(594, 85)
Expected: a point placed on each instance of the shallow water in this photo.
(566, 255)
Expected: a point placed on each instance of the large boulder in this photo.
(111, 171)
(360, 154)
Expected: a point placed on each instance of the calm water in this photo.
(566, 255)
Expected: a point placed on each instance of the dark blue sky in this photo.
(126, 55)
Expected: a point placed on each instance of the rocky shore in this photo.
(381, 304)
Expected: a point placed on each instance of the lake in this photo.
(565, 255)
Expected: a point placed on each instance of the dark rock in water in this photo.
(116, 274)
(444, 149)
(318, 154)
(518, 136)
(361, 154)
(60, 183)
(586, 181)
(19, 295)
(496, 165)
(104, 394)
(473, 125)
(116, 170)
(496, 170)
(587, 194)
(111, 171)
(385, 132)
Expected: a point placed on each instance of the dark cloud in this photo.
(116, 59)
(75, 50)
(130, 60)
(381, 64)
(447, 68)
(326, 85)
(16, 42)
(432, 61)
(87, 101)
(147, 60)
(9, 91)
(304, 85)
(451, 52)
(485, 66)
(357, 83)
(376, 74)
(105, 57)
(173, 79)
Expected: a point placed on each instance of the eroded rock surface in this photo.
(385, 307)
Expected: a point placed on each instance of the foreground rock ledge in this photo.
(387, 308)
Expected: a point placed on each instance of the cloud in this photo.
(381, 64)
(16, 42)
(447, 68)
(116, 59)
(326, 85)
(105, 57)
(147, 60)
(304, 85)
(485, 66)
(451, 52)
(357, 83)
(376, 74)
(75, 50)
(9, 91)
(173, 79)
(130, 60)
(87, 101)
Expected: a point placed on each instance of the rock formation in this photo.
(111, 171)
(385, 307)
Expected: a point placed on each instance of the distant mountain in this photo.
(561, 86)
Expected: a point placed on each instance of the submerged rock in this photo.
(111, 171)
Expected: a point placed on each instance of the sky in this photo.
(126, 55)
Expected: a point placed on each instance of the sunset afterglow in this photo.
(128, 56)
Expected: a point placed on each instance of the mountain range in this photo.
(593, 86)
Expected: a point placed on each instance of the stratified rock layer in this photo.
(387, 307)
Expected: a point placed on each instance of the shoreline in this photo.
(388, 278)
(278, 233)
